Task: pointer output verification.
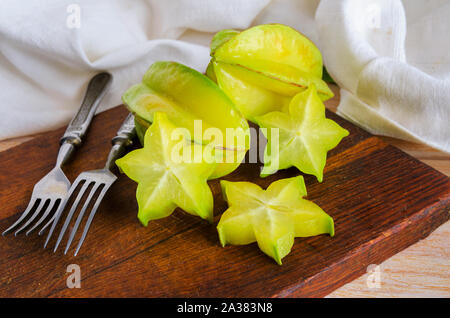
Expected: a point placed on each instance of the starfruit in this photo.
(271, 217)
(193, 101)
(171, 172)
(263, 67)
(304, 135)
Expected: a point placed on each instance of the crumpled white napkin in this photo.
(47, 57)
(392, 63)
(390, 60)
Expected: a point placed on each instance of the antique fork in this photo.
(101, 180)
(53, 187)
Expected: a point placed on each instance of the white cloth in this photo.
(390, 59)
(392, 64)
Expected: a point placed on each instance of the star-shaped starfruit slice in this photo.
(271, 217)
(301, 137)
(171, 172)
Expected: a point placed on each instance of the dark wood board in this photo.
(381, 200)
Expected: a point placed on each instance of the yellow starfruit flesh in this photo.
(170, 172)
(301, 138)
(271, 217)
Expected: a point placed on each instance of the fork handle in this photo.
(78, 126)
(121, 141)
(126, 132)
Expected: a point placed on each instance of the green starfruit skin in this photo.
(273, 49)
(220, 38)
(186, 96)
(261, 68)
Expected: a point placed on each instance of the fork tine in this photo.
(54, 220)
(80, 216)
(44, 216)
(23, 216)
(48, 222)
(91, 217)
(71, 212)
(35, 214)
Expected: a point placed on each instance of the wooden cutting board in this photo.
(381, 200)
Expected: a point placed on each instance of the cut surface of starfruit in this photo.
(271, 217)
(301, 138)
(171, 172)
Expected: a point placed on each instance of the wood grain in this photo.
(421, 270)
(381, 199)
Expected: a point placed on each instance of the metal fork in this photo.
(52, 189)
(101, 180)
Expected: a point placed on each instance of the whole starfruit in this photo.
(263, 67)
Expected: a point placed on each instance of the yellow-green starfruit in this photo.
(261, 68)
(271, 217)
(171, 171)
(303, 135)
(193, 101)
